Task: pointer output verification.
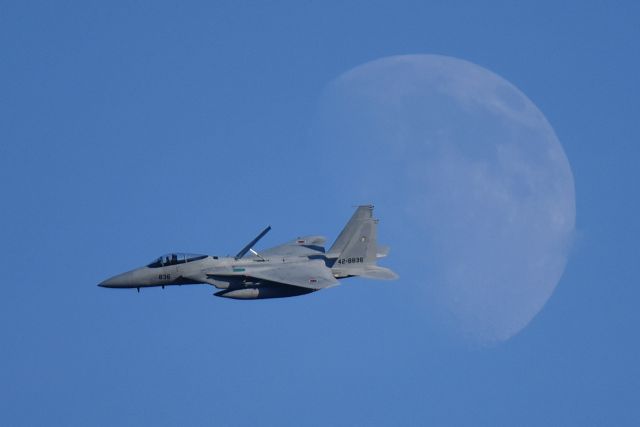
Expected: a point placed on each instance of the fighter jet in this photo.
(298, 267)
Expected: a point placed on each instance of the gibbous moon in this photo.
(477, 192)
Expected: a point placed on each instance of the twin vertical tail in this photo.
(356, 249)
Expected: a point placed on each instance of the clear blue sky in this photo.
(132, 129)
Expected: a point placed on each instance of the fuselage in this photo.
(230, 275)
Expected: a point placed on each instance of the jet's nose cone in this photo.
(109, 283)
(124, 280)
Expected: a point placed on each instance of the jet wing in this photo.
(309, 274)
(306, 274)
(302, 246)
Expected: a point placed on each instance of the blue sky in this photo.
(132, 129)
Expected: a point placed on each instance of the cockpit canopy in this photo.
(175, 258)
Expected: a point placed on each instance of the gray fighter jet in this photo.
(295, 268)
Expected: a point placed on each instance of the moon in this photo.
(477, 190)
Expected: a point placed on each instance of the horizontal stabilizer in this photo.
(382, 251)
(376, 272)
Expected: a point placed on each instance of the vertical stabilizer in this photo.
(359, 217)
(356, 249)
